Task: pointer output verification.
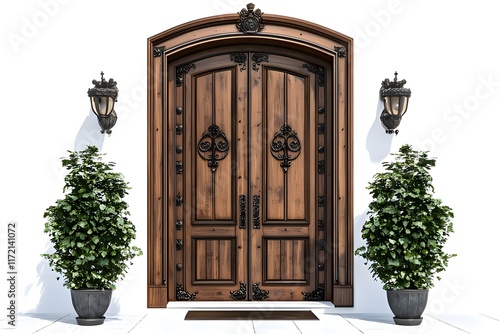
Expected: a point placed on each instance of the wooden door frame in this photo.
(220, 30)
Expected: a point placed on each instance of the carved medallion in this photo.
(250, 21)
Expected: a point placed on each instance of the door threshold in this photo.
(320, 306)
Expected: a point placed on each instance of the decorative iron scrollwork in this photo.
(258, 58)
(257, 293)
(321, 225)
(180, 71)
(318, 294)
(240, 59)
(157, 52)
(179, 224)
(179, 200)
(178, 167)
(285, 146)
(256, 211)
(243, 211)
(183, 295)
(250, 21)
(213, 146)
(318, 70)
(322, 244)
(321, 167)
(341, 51)
(241, 293)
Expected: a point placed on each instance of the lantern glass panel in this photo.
(102, 105)
(403, 105)
(396, 105)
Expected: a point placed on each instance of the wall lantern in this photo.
(395, 98)
(102, 99)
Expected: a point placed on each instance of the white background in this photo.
(448, 51)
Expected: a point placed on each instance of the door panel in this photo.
(213, 263)
(283, 257)
(250, 178)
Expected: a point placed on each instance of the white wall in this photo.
(448, 52)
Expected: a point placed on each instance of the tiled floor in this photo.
(331, 320)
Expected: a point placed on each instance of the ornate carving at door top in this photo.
(250, 21)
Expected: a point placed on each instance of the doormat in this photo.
(250, 315)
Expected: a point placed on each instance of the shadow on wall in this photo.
(53, 296)
(89, 134)
(378, 143)
(370, 296)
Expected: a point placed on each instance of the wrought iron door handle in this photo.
(243, 211)
(256, 211)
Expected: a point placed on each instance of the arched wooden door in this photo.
(249, 162)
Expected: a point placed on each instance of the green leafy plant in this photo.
(407, 226)
(90, 227)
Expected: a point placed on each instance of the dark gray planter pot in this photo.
(90, 305)
(407, 305)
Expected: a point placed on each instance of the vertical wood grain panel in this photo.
(156, 296)
(296, 177)
(225, 259)
(273, 259)
(204, 118)
(342, 231)
(223, 116)
(287, 260)
(212, 259)
(200, 246)
(299, 254)
(275, 118)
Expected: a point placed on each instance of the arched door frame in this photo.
(231, 29)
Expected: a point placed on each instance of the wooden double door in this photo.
(250, 157)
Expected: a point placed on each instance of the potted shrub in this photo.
(405, 233)
(91, 233)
